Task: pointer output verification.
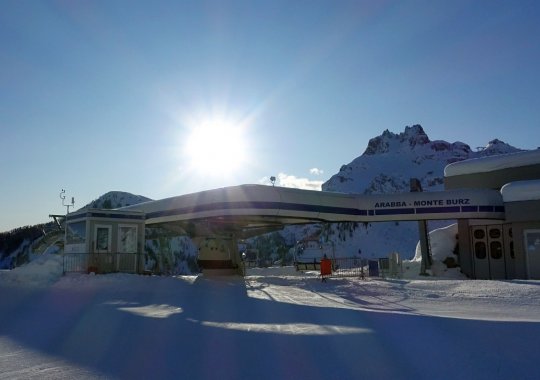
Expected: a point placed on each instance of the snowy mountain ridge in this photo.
(391, 159)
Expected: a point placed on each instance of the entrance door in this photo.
(480, 252)
(488, 252)
(497, 267)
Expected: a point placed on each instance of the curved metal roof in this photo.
(240, 209)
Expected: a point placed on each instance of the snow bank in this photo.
(44, 270)
(443, 242)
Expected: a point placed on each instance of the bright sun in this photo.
(215, 147)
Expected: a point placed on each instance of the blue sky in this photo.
(104, 95)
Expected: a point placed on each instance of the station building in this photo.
(495, 200)
(508, 248)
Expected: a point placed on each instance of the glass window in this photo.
(127, 239)
(480, 250)
(495, 249)
(76, 232)
(533, 241)
(494, 233)
(479, 234)
(512, 254)
(510, 232)
(103, 239)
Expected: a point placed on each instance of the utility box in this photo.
(326, 268)
(373, 268)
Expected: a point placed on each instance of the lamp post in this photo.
(67, 206)
(63, 197)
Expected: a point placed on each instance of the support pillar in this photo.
(424, 247)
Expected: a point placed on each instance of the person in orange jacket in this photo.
(326, 268)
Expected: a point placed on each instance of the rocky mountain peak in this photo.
(410, 138)
(391, 159)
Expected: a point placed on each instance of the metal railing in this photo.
(314, 264)
(102, 262)
(344, 267)
(349, 267)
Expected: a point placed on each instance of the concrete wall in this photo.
(523, 211)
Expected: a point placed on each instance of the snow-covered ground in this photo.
(273, 324)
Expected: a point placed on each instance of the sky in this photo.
(165, 98)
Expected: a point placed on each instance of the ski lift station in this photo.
(495, 201)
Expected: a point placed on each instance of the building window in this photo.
(532, 239)
(76, 233)
(494, 233)
(102, 239)
(127, 239)
(512, 254)
(480, 250)
(495, 250)
(479, 234)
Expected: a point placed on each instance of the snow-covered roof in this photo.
(521, 191)
(492, 163)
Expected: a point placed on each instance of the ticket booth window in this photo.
(76, 232)
(102, 235)
(127, 239)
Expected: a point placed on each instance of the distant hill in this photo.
(116, 199)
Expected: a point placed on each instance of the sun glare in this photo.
(215, 147)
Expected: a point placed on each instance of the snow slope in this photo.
(270, 325)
